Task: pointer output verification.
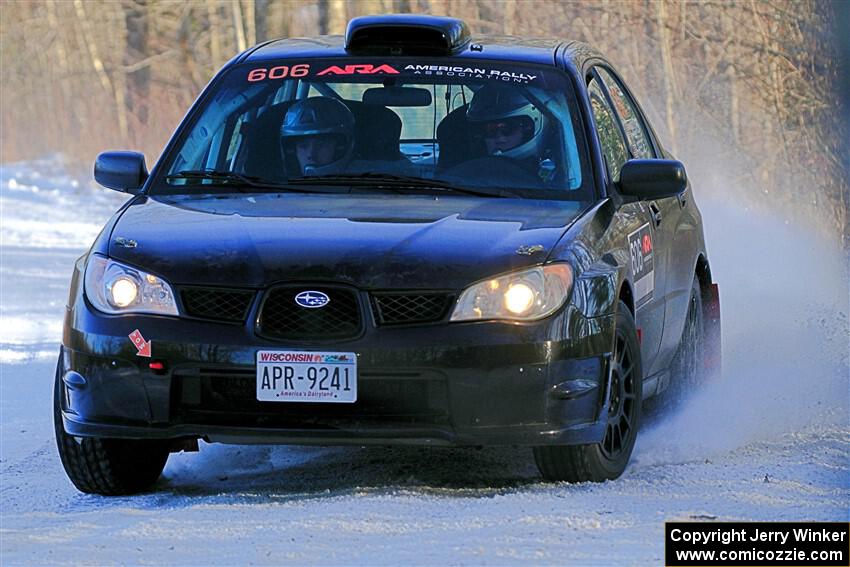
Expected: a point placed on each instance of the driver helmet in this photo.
(321, 117)
(503, 110)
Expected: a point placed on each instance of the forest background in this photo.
(749, 94)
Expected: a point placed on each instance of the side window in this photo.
(629, 117)
(613, 146)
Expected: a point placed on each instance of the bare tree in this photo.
(761, 77)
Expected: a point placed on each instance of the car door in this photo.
(636, 223)
(668, 215)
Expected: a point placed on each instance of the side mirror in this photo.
(122, 171)
(648, 179)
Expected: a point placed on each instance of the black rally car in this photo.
(403, 236)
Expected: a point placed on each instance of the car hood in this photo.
(369, 241)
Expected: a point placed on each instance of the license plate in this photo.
(298, 376)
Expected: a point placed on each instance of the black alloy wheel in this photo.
(622, 407)
(607, 459)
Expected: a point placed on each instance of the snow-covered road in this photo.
(771, 441)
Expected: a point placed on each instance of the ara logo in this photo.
(365, 69)
(312, 299)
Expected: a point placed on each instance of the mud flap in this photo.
(713, 351)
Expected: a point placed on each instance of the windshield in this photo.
(398, 123)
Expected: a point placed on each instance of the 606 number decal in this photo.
(279, 72)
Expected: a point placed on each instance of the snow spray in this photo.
(784, 309)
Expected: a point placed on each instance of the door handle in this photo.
(656, 214)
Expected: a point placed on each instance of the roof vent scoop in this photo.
(406, 34)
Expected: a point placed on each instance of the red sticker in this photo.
(143, 346)
(363, 69)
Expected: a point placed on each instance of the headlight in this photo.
(522, 296)
(115, 288)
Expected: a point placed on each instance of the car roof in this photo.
(541, 51)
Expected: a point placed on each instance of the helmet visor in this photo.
(508, 127)
(513, 130)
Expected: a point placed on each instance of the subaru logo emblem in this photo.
(312, 299)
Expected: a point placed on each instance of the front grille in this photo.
(228, 396)
(283, 319)
(410, 308)
(217, 303)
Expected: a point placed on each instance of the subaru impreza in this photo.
(406, 235)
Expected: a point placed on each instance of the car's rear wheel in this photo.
(688, 368)
(106, 466)
(608, 459)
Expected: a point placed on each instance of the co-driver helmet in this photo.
(496, 107)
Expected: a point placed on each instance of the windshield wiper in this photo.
(222, 176)
(395, 182)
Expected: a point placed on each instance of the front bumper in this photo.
(449, 384)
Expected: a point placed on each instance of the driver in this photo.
(511, 126)
(319, 131)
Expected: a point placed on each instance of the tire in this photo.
(688, 367)
(608, 459)
(106, 466)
